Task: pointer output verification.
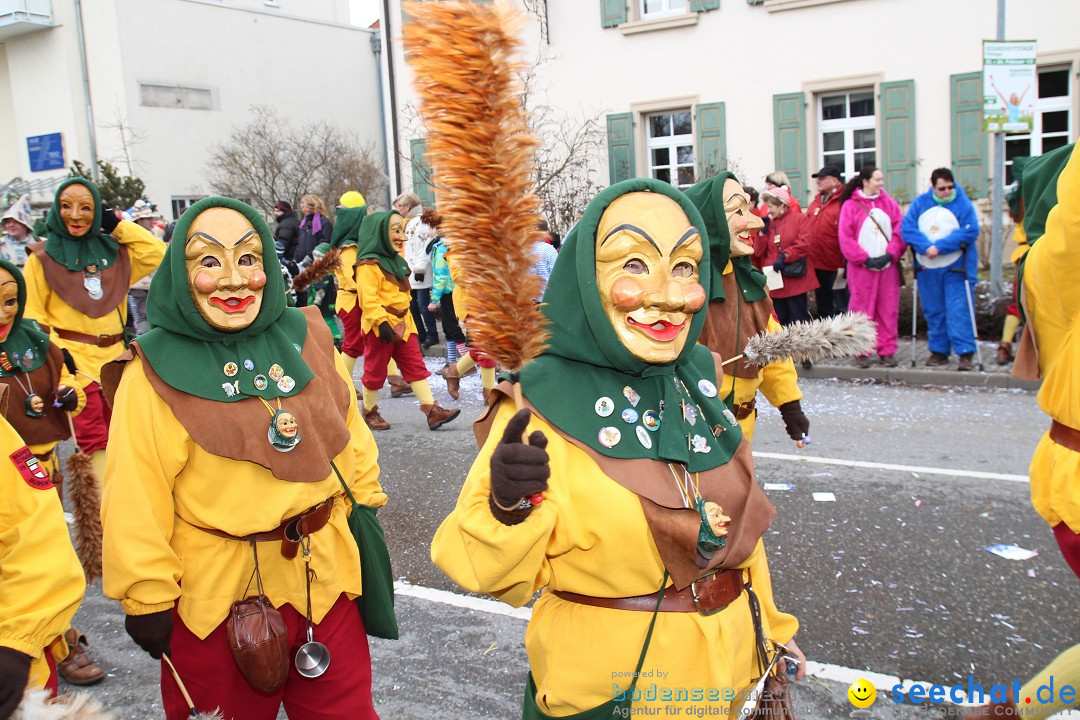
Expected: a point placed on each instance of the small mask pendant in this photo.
(35, 406)
(712, 535)
(284, 431)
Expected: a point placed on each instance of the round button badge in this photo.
(610, 436)
(604, 406)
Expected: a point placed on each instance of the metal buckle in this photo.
(697, 601)
(102, 340)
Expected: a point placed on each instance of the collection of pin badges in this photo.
(275, 374)
(610, 435)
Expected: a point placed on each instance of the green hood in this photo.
(25, 345)
(374, 244)
(347, 223)
(586, 355)
(1040, 189)
(1016, 193)
(191, 355)
(708, 197)
(75, 253)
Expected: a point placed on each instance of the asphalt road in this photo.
(893, 576)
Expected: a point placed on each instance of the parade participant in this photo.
(608, 499)
(77, 283)
(1015, 198)
(942, 228)
(474, 357)
(41, 582)
(870, 239)
(322, 293)
(389, 332)
(739, 308)
(40, 391)
(18, 226)
(1050, 351)
(232, 421)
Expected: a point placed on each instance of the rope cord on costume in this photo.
(648, 636)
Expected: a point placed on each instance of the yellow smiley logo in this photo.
(861, 693)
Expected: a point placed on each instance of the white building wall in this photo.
(745, 54)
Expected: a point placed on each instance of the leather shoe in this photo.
(862, 361)
(964, 363)
(937, 359)
(438, 416)
(398, 386)
(888, 360)
(453, 380)
(79, 668)
(374, 420)
(1004, 353)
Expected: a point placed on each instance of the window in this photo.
(847, 135)
(176, 96)
(661, 8)
(180, 204)
(1053, 118)
(670, 142)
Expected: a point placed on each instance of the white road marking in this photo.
(918, 469)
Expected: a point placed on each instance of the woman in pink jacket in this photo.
(870, 239)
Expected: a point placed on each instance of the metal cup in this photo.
(313, 658)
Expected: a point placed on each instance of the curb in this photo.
(914, 376)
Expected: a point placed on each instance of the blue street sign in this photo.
(46, 152)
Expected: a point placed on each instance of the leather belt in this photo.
(99, 340)
(399, 314)
(707, 595)
(1065, 436)
(745, 410)
(289, 532)
(46, 456)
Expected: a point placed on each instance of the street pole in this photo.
(997, 187)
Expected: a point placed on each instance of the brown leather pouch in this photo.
(259, 643)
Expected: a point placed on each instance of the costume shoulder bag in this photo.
(618, 706)
(376, 576)
(770, 697)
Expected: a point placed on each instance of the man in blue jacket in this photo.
(942, 227)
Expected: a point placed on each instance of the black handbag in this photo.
(794, 269)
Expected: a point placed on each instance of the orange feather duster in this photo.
(481, 155)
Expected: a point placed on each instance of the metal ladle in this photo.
(313, 658)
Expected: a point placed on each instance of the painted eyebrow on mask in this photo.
(631, 228)
(217, 242)
(692, 232)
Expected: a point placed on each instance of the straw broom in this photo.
(838, 336)
(481, 154)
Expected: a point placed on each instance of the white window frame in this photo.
(668, 10)
(182, 203)
(672, 144)
(1042, 105)
(846, 125)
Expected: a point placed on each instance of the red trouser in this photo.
(353, 337)
(210, 674)
(377, 355)
(1069, 542)
(481, 358)
(92, 424)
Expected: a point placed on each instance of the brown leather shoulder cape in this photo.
(50, 427)
(115, 283)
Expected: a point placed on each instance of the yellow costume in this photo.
(346, 280)
(378, 292)
(778, 382)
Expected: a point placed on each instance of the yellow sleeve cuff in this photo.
(134, 607)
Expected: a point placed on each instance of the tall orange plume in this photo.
(481, 155)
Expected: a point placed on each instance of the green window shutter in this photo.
(704, 5)
(421, 171)
(969, 156)
(789, 139)
(620, 144)
(711, 125)
(612, 13)
(898, 138)
(755, 2)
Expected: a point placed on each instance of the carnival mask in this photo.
(77, 209)
(397, 233)
(223, 254)
(9, 302)
(647, 256)
(741, 222)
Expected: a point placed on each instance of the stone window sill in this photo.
(639, 26)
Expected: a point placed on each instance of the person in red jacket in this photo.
(783, 246)
(825, 255)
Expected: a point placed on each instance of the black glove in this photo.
(386, 333)
(66, 398)
(14, 673)
(109, 218)
(795, 420)
(878, 263)
(780, 261)
(151, 632)
(517, 470)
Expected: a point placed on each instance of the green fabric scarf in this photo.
(586, 355)
(26, 345)
(1015, 193)
(75, 253)
(943, 201)
(1040, 189)
(708, 198)
(374, 244)
(347, 223)
(191, 356)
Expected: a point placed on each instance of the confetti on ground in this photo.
(778, 486)
(489, 649)
(1012, 552)
(824, 497)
